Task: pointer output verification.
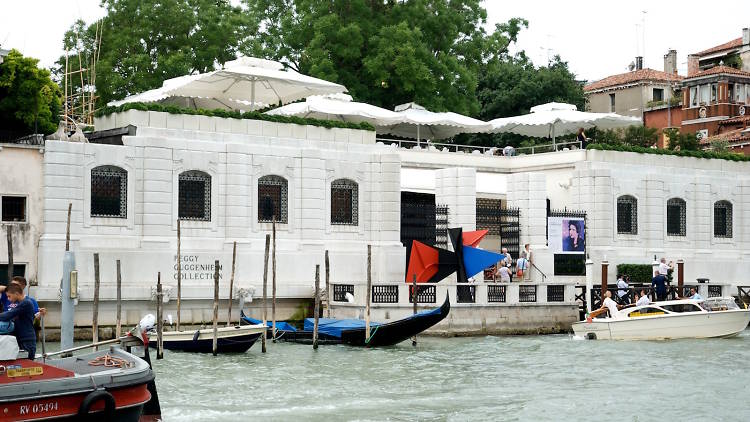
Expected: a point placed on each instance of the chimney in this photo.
(745, 36)
(692, 65)
(670, 62)
(638, 62)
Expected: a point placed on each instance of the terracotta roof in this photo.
(717, 70)
(734, 120)
(634, 76)
(721, 47)
(731, 136)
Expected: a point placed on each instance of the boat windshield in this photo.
(648, 311)
(719, 304)
(682, 307)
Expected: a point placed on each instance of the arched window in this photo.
(273, 199)
(676, 225)
(194, 196)
(109, 192)
(344, 202)
(627, 215)
(722, 219)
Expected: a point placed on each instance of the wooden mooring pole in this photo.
(265, 292)
(9, 232)
(118, 329)
(414, 300)
(317, 306)
(328, 286)
(273, 282)
(159, 319)
(216, 306)
(231, 285)
(95, 320)
(179, 275)
(367, 295)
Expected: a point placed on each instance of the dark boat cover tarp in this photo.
(334, 327)
(280, 325)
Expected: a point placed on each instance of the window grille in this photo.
(344, 202)
(555, 293)
(495, 293)
(425, 294)
(488, 215)
(13, 208)
(340, 291)
(527, 293)
(723, 219)
(676, 225)
(385, 294)
(109, 192)
(273, 199)
(627, 215)
(194, 196)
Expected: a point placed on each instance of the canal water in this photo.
(519, 378)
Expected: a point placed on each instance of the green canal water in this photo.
(520, 378)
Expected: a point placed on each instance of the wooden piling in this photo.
(159, 319)
(67, 228)
(369, 292)
(680, 276)
(328, 287)
(273, 282)
(179, 275)
(317, 306)
(605, 266)
(414, 300)
(118, 330)
(95, 320)
(265, 291)
(8, 228)
(216, 306)
(231, 285)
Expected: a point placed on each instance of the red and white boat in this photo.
(108, 385)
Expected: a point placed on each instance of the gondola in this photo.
(237, 339)
(352, 331)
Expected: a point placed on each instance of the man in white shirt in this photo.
(643, 300)
(608, 305)
(663, 267)
(622, 289)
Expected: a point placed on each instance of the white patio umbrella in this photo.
(553, 119)
(338, 107)
(246, 82)
(418, 122)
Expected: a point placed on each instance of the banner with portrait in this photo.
(566, 235)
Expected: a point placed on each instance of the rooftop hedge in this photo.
(251, 115)
(658, 151)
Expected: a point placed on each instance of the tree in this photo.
(145, 42)
(29, 99)
(682, 141)
(641, 136)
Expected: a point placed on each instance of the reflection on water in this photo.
(527, 378)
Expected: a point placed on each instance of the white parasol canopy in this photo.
(552, 119)
(247, 82)
(338, 107)
(418, 122)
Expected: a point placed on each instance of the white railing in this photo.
(469, 149)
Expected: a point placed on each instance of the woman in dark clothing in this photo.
(581, 137)
(574, 242)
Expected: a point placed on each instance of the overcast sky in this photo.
(597, 38)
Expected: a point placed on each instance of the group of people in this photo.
(19, 311)
(503, 269)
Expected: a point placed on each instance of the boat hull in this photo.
(229, 339)
(674, 326)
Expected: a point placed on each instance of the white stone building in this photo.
(340, 190)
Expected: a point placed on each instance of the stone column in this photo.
(457, 188)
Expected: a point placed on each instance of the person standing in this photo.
(659, 283)
(23, 317)
(581, 137)
(522, 266)
(504, 273)
(622, 289)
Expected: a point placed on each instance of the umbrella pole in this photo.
(252, 95)
(417, 135)
(554, 143)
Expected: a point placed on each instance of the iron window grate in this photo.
(344, 202)
(714, 291)
(676, 225)
(194, 197)
(466, 293)
(723, 219)
(425, 294)
(385, 294)
(488, 215)
(627, 215)
(273, 199)
(340, 291)
(496, 293)
(441, 225)
(555, 293)
(13, 208)
(109, 192)
(527, 293)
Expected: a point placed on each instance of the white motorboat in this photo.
(672, 319)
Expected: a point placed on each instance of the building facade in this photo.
(734, 53)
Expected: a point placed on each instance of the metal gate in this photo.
(423, 220)
(500, 221)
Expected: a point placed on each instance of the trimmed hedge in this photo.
(639, 273)
(695, 154)
(252, 115)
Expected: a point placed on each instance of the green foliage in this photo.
(720, 145)
(673, 101)
(679, 153)
(145, 42)
(252, 115)
(640, 136)
(29, 100)
(639, 273)
(682, 141)
(734, 61)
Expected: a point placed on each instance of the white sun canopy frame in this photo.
(420, 123)
(339, 107)
(554, 119)
(246, 83)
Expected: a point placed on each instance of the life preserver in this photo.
(93, 397)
